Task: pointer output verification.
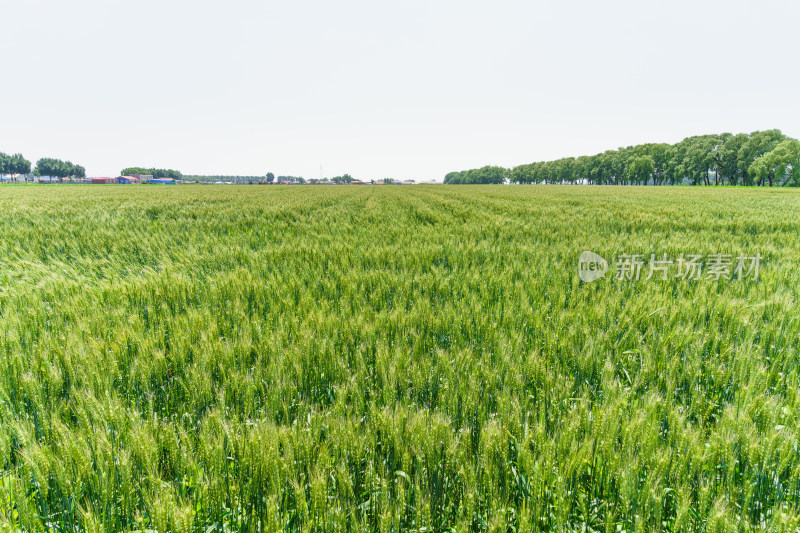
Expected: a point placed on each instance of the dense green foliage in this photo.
(14, 164)
(394, 359)
(782, 164)
(244, 179)
(760, 158)
(155, 172)
(57, 168)
(479, 176)
(344, 178)
(223, 178)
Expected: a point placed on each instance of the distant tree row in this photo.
(284, 179)
(478, 176)
(155, 172)
(13, 165)
(57, 168)
(291, 179)
(268, 178)
(344, 178)
(16, 165)
(759, 158)
(226, 178)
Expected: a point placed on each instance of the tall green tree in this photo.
(581, 169)
(728, 158)
(781, 165)
(20, 165)
(523, 174)
(659, 153)
(759, 144)
(640, 169)
(14, 166)
(57, 168)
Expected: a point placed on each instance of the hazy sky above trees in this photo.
(411, 89)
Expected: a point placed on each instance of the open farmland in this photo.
(394, 359)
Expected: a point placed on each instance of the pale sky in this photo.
(409, 89)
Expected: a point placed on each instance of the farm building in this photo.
(103, 181)
(128, 179)
(166, 181)
(144, 178)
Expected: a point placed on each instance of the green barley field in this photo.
(209, 359)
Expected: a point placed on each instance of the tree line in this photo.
(284, 179)
(12, 165)
(488, 175)
(269, 177)
(760, 158)
(155, 172)
(222, 177)
(56, 168)
(16, 165)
